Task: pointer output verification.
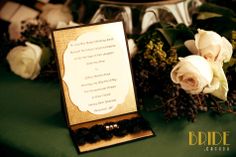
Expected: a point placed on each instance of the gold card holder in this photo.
(97, 86)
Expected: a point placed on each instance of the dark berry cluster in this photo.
(36, 31)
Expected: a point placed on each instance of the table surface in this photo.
(32, 124)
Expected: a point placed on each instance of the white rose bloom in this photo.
(193, 73)
(53, 13)
(211, 46)
(133, 49)
(25, 60)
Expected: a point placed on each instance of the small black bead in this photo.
(92, 138)
(81, 134)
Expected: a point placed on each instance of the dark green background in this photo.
(32, 124)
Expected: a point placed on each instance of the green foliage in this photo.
(223, 21)
(213, 8)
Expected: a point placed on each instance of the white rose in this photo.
(211, 46)
(133, 49)
(25, 60)
(193, 73)
(53, 13)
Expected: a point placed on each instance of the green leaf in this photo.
(169, 35)
(229, 64)
(207, 15)
(46, 55)
(210, 7)
(221, 25)
(178, 35)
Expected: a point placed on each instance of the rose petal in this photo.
(36, 48)
(215, 84)
(210, 52)
(206, 38)
(222, 91)
(190, 44)
(202, 65)
(226, 51)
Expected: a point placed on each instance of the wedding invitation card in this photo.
(97, 85)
